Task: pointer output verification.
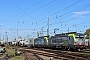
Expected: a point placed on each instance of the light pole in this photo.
(6, 37)
(48, 27)
(68, 30)
(17, 31)
(42, 30)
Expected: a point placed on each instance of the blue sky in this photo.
(30, 16)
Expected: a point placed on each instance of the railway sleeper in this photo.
(80, 58)
(70, 56)
(80, 55)
(61, 58)
(39, 58)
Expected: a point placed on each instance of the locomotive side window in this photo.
(64, 38)
(58, 40)
(53, 40)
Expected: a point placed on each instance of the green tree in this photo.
(87, 32)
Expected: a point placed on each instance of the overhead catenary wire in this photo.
(61, 10)
(46, 5)
(58, 16)
(64, 21)
(43, 12)
(75, 27)
(23, 10)
(66, 7)
(53, 1)
(70, 20)
(52, 6)
(33, 10)
(70, 14)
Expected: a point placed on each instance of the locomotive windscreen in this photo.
(78, 35)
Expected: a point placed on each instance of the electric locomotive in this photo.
(70, 41)
(39, 42)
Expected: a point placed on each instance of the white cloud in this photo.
(81, 13)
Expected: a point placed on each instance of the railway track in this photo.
(58, 54)
(86, 51)
(39, 58)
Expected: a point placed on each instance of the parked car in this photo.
(2, 50)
